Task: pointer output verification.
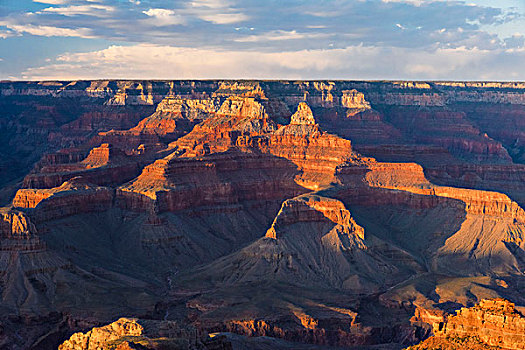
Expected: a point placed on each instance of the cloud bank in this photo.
(358, 62)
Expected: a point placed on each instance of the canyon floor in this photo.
(262, 215)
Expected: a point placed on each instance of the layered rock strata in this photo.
(104, 165)
(226, 178)
(489, 324)
(299, 148)
(72, 197)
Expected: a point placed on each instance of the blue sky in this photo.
(263, 39)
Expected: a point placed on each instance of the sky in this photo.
(262, 39)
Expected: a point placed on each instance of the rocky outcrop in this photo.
(327, 332)
(226, 178)
(149, 93)
(303, 116)
(111, 175)
(354, 99)
(96, 118)
(491, 323)
(236, 116)
(305, 228)
(429, 316)
(99, 337)
(72, 197)
(470, 245)
(104, 165)
(242, 89)
(174, 117)
(245, 114)
(410, 177)
(28, 269)
(102, 156)
(16, 224)
(188, 108)
(312, 209)
(131, 333)
(302, 123)
(205, 154)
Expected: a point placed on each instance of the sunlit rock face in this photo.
(130, 333)
(328, 213)
(490, 324)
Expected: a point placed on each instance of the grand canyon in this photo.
(237, 214)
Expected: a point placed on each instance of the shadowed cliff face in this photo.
(332, 213)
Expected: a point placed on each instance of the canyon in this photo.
(261, 214)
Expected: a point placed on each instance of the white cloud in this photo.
(92, 10)
(323, 14)
(52, 2)
(48, 30)
(280, 35)
(175, 62)
(159, 12)
(225, 18)
(164, 17)
(357, 62)
(216, 11)
(214, 4)
(413, 2)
